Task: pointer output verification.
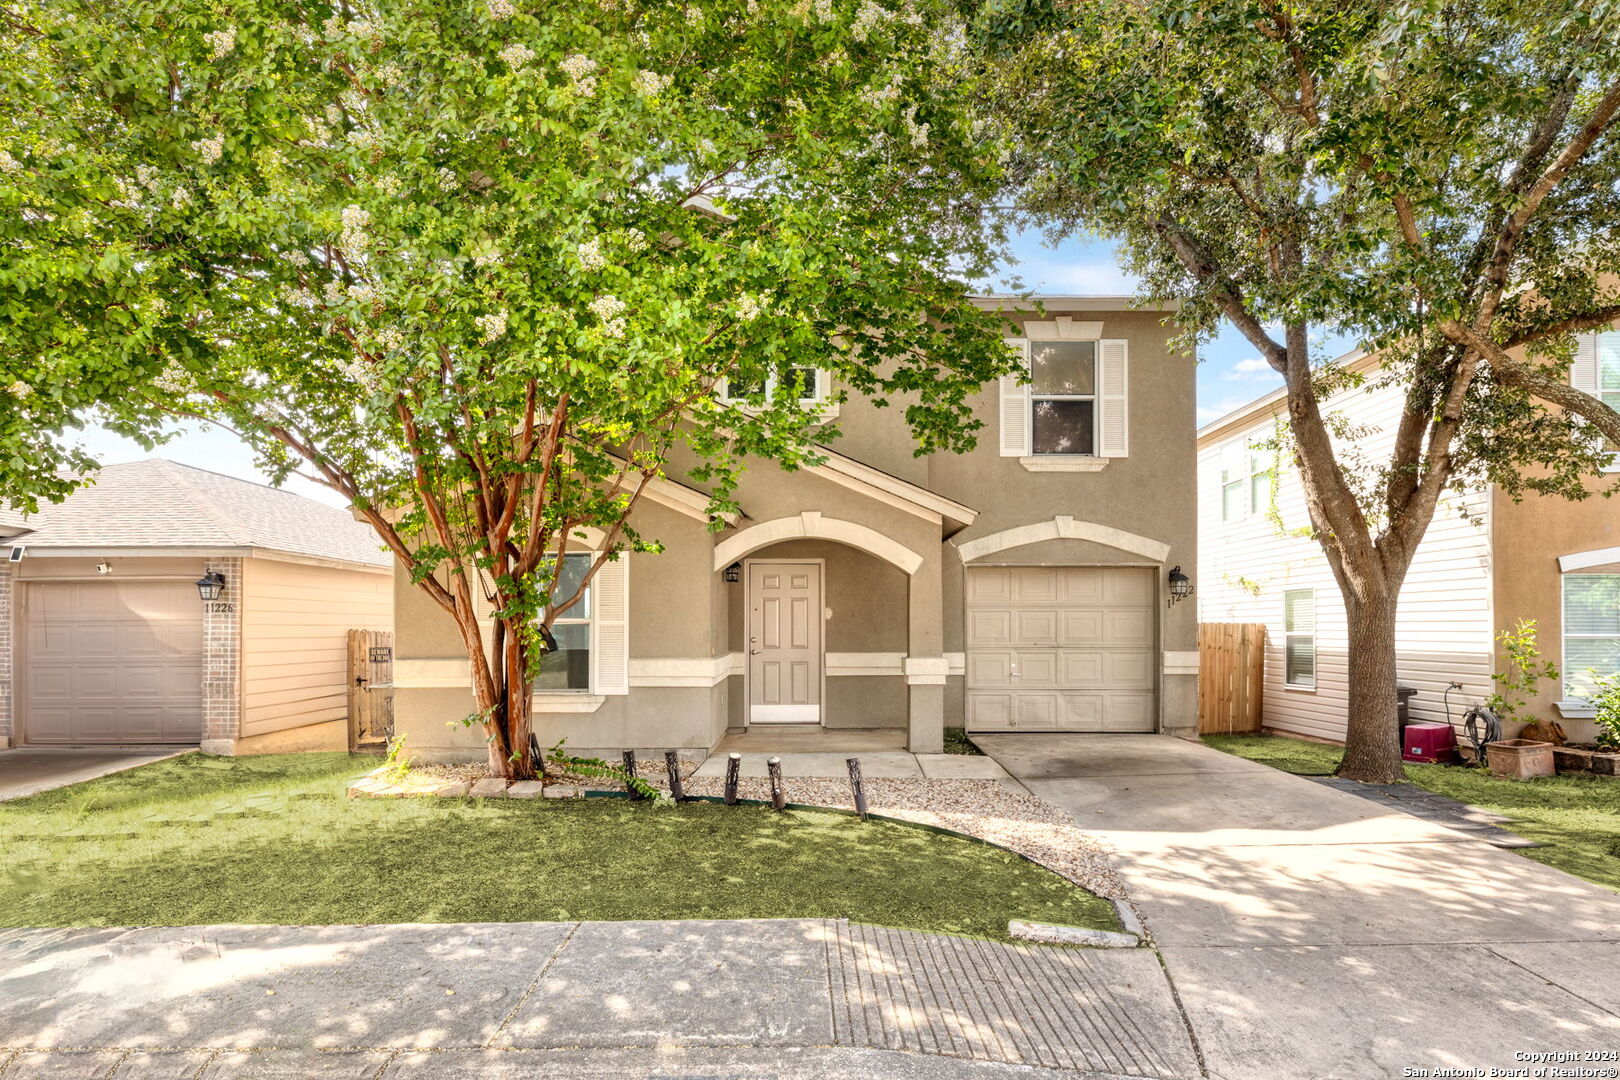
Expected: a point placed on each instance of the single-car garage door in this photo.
(112, 662)
(1060, 648)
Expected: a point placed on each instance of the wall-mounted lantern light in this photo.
(734, 573)
(1181, 586)
(210, 586)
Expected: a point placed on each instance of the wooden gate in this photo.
(371, 688)
(1231, 677)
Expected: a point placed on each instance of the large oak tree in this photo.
(1439, 179)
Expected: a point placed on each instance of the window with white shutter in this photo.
(1596, 370)
(610, 626)
(1014, 407)
(1113, 377)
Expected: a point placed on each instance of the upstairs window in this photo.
(806, 385)
(1246, 476)
(1591, 630)
(1608, 368)
(1063, 397)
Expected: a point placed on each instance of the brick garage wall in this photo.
(222, 662)
(6, 690)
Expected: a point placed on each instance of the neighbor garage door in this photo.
(112, 662)
(1060, 648)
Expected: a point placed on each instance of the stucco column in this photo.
(925, 663)
(222, 669)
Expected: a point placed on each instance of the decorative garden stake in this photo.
(630, 773)
(733, 767)
(672, 764)
(778, 796)
(854, 764)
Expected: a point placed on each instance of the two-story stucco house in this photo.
(1486, 562)
(1018, 587)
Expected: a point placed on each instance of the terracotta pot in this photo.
(1519, 759)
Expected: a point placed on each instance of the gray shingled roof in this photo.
(161, 504)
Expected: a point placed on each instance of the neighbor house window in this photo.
(1063, 397)
(1246, 474)
(1591, 630)
(1299, 638)
(569, 667)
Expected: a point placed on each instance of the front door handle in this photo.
(755, 652)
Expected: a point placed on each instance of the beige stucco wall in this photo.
(295, 620)
(1527, 538)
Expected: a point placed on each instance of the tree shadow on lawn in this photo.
(327, 860)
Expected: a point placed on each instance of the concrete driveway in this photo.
(28, 770)
(1313, 933)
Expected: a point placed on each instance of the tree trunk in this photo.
(1372, 742)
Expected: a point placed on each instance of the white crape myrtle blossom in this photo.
(578, 68)
(333, 293)
(390, 74)
(867, 19)
(389, 339)
(20, 389)
(210, 149)
(8, 163)
(448, 180)
(362, 139)
(651, 84)
(180, 198)
(389, 184)
(610, 309)
(487, 257)
(492, 326)
(748, 307)
(296, 257)
(635, 239)
(516, 55)
(590, 255)
(355, 220)
(918, 132)
(362, 293)
(500, 9)
(221, 43)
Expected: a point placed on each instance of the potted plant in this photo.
(1519, 683)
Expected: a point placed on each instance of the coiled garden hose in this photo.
(1479, 724)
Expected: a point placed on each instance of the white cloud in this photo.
(1215, 411)
(1253, 369)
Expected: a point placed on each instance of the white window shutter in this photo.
(1113, 405)
(1583, 373)
(1014, 407)
(610, 627)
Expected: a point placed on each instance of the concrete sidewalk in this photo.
(774, 998)
(1313, 933)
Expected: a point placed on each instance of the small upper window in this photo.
(1246, 481)
(1063, 397)
(1609, 368)
(804, 384)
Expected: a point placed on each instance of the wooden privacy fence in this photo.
(371, 688)
(1231, 677)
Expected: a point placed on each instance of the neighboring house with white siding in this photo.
(1486, 562)
(106, 638)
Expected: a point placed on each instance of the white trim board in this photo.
(812, 525)
(1584, 559)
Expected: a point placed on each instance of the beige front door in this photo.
(784, 642)
(112, 662)
(1061, 648)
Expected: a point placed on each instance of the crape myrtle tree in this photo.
(483, 266)
(1436, 179)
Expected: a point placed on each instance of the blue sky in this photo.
(1229, 372)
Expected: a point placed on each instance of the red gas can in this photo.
(1429, 742)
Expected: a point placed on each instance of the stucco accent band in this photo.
(811, 524)
(1067, 528)
(1181, 663)
(926, 670)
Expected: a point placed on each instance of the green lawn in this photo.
(273, 840)
(1577, 817)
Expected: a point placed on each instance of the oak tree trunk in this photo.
(1372, 742)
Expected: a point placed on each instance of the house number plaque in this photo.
(219, 607)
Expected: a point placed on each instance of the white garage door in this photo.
(112, 662)
(1060, 648)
